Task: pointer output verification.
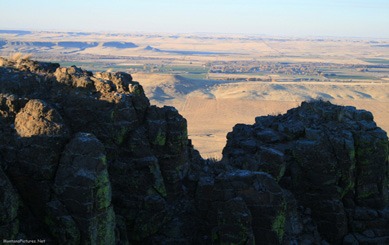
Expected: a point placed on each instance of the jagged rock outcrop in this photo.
(333, 159)
(85, 159)
(82, 185)
(92, 161)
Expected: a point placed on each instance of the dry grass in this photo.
(18, 57)
(27, 56)
(212, 110)
(15, 56)
(213, 159)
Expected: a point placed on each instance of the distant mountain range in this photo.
(69, 44)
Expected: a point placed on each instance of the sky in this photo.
(343, 18)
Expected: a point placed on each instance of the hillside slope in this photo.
(213, 107)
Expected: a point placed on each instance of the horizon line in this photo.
(190, 33)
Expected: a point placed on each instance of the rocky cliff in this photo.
(85, 159)
(332, 159)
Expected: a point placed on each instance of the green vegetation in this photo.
(365, 194)
(195, 76)
(103, 193)
(105, 228)
(377, 61)
(352, 77)
(347, 189)
(160, 139)
(159, 184)
(120, 135)
(283, 72)
(278, 225)
(281, 173)
(189, 69)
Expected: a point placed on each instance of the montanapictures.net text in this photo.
(24, 241)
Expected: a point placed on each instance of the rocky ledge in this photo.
(85, 159)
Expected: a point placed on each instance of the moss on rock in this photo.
(160, 138)
(103, 192)
(159, 184)
(278, 225)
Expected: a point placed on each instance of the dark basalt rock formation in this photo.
(333, 159)
(85, 159)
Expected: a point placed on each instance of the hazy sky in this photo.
(361, 18)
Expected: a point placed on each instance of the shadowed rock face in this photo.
(85, 159)
(333, 159)
(87, 155)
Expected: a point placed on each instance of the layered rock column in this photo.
(333, 159)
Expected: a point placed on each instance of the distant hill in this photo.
(80, 45)
(161, 87)
(17, 32)
(120, 45)
(38, 46)
(150, 48)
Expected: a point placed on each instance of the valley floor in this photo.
(212, 107)
(209, 120)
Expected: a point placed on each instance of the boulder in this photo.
(37, 118)
(74, 76)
